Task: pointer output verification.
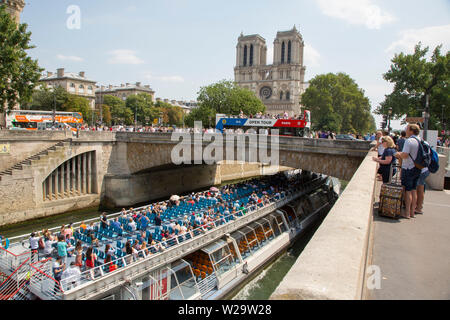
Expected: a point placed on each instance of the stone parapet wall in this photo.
(332, 265)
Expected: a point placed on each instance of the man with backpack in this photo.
(410, 172)
(417, 158)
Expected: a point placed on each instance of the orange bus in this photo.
(42, 120)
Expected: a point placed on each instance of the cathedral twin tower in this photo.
(280, 85)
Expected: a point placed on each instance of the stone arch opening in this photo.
(73, 178)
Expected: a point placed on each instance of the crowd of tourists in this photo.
(137, 233)
(407, 153)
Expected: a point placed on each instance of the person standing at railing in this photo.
(58, 268)
(34, 246)
(62, 248)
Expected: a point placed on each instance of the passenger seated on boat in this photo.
(111, 265)
(90, 229)
(83, 226)
(109, 250)
(94, 240)
(144, 248)
(115, 224)
(144, 221)
(132, 225)
(136, 245)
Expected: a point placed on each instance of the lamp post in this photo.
(426, 116)
(389, 119)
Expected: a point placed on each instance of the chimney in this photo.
(82, 74)
(60, 72)
(138, 84)
(49, 74)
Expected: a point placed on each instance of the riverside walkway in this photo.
(414, 255)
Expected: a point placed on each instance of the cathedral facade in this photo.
(280, 85)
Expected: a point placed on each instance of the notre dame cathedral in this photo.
(280, 85)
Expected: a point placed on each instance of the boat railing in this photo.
(15, 282)
(42, 284)
(10, 261)
(208, 284)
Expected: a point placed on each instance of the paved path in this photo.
(414, 255)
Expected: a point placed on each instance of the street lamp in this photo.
(389, 119)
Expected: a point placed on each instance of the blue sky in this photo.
(177, 46)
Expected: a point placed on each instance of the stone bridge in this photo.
(49, 172)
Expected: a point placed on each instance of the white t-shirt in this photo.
(410, 147)
(380, 147)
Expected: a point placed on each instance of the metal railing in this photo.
(42, 284)
(15, 282)
(208, 284)
(10, 261)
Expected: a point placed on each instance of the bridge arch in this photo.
(74, 177)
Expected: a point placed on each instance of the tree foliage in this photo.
(18, 72)
(338, 104)
(59, 99)
(414, 77)
(224, 97)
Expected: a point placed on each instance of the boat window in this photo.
(221, 256)
(174, 283)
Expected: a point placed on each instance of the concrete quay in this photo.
(414, 255)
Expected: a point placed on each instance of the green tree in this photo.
(338, 104)
(78, 104)
(227, 97)
(414, 77)
(140, 105)
(47, 99)
(172, 115)
(120, 114)
(18, 72)
(223, 97)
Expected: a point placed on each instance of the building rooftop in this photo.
(61, 74)
(123, 87)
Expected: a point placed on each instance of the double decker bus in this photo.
(286, 127)
(43, 120)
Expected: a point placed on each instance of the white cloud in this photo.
(311, 56)
(124, 56)
(69, 58)
(358, 12)
(429, 36)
